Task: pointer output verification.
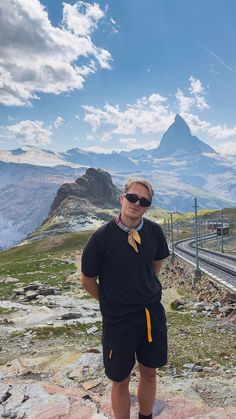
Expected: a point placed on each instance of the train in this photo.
(225, 229)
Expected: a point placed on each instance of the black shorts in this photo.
(141, 335)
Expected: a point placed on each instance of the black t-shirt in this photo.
(127, 281)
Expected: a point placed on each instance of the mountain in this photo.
(27, 192)
(113, 161)
(83, 204)
(178, 141)
(34, 156)
(181, 168)
(72, 158)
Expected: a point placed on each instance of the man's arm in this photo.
(157, 266)
(90, 285)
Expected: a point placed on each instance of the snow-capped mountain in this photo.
(181, 168)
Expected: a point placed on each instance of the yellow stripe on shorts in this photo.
(149, 326)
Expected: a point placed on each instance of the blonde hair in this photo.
(142, 182)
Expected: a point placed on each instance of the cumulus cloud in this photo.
(196, 89)
(106, 136)
(227, 148)
(36, 56)
(184, 102)
(90, 137)
(82, 18)
(196, 97)
(195, 123)
(149, 114)
(31, 133)
(130, 143)
(58, 122)
(153, 115)
(221, 132)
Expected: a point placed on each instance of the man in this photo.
(120, 264)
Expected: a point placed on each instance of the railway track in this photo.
(219, 266)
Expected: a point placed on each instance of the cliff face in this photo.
(84, 204)
(95, 186)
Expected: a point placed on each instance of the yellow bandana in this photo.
(133, 237)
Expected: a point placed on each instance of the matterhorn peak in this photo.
(178, 140)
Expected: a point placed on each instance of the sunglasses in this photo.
(133, 198)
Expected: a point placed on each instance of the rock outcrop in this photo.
(95, 186)
(83, 204)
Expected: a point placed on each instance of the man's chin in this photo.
(135, 215)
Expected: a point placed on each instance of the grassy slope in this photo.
(41, 260)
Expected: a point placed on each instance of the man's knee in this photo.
(121, 386)
(147, 374)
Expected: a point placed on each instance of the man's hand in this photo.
(90, 285)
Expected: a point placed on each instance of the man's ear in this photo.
(121, 199)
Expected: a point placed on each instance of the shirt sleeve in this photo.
(92, 257)
(162, 248)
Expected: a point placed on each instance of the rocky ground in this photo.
(51, 359)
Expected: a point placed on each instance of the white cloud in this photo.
(153, 115)
(195, 86)
(39, 57)
(114, 25)
(106, 136)
(58, 122)
(149, 145)
(130, 143)
(31, 133)
(221, 132)
(196, 89)
(90, 137)
(81, 18)
(149, 114)
(195, 123)
(184, 102)
(227, 148)
(197, 99)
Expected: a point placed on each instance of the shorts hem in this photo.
(118, 379)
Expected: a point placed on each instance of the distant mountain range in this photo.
(181, 168)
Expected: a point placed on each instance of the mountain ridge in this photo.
(177, 175)
(175, 141)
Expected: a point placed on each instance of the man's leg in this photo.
(146, 389)
(120, 398)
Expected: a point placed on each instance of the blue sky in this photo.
(111, 75)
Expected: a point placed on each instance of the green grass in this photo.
(4, 310)
(50, 331)
(41, 261)
(71, 331)
(195, 338)
(54, 245)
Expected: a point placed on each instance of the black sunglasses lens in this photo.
(133, 198)
(144, 202)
